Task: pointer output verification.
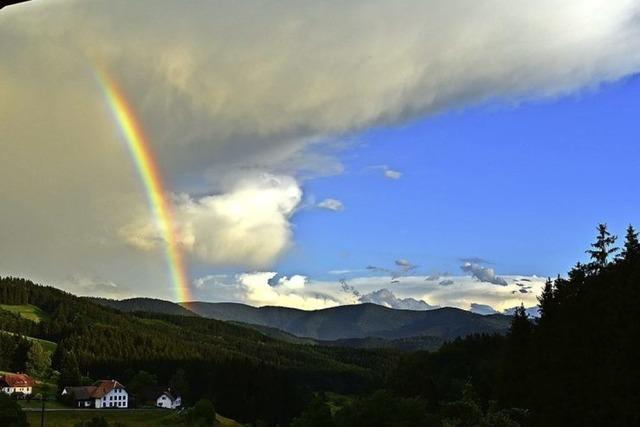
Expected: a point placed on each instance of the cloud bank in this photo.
(388, 299)
(483, 309)
(410, 293)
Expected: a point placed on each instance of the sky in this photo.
(415, 154)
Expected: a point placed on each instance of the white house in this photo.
(168, 400)
(16, 383)
(102, 394)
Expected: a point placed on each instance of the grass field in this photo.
(36, 404)
(28, 311)
(127, 418)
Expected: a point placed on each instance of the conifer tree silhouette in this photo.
(631, 247)
(602, 249)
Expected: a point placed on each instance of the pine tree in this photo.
(546, 300)
(38, 361)
(141, 381)
(602, 249)
(631, 247)
(20, 354)
(179, 384)
(521, 326)
(69, 371)
(517, 355)
(578, 273)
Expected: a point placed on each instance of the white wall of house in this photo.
(10, 390)
(116, 398)
(165, 402)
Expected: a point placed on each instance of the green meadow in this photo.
(126, 418)
(28, 311)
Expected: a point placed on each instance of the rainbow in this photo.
(147, 168)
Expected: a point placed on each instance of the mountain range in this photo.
(360, 325)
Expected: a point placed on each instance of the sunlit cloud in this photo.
(411, 292)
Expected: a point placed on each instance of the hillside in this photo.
(357, 321)
(223, 361)
(279, 335)
(150, 305)
(357, 326)
(418, 343)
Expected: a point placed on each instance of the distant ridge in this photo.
(358, 321)
(360, 325)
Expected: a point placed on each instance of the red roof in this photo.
(17, 380)
(96, 391)
(102, 387)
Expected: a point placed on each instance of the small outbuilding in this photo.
(168, 400)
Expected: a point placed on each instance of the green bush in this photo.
(11, 414)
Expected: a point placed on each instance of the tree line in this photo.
(576, 365)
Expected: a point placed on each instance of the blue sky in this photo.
(522, 186)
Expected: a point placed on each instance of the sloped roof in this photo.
(16, 380)
(82, 392)
(96, 391)
(169, 395)
(103, 387)
(153, 393)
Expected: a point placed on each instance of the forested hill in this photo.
(219, 360)
(365, 325)
(345, 323)
(358, 321)
(149, 305)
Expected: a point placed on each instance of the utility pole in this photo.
(42, 398)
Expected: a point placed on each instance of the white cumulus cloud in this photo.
(287, 292)
(331, 205)
(248, 225)
(392, 174)
(483, 274)
(411, 293)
